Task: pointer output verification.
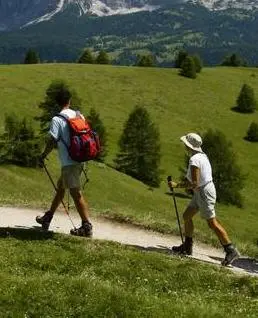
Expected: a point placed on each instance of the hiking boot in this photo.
(85, 230)
(186, 248)
(45, 220)
(231, 255)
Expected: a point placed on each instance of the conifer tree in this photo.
(31, 57)
(233, 60)
(252, 132)
(188, 68)
(49, 106)
(97, 125)
(102, 58)
(198, 63)
(227, 175)
(182, 54)
(246, 102)
(139, 144)
(86, 57)
(145, 60)
(18, 144)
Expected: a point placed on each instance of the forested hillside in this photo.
(211, 34)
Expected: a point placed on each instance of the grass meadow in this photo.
(176, 104)
(50, 275)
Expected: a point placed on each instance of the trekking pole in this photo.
(169, 179)
(51, 180)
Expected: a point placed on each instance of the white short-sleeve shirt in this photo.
(201, 161)
(59, 130)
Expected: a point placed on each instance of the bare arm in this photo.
(50, 145)
(195, 172)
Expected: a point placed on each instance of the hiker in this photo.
(199, 180)
(71, 170)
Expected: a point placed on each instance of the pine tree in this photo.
(98, 126)
(198, 63)
(188, 68)
(246, 102)
(86, 57)
(102, 58)
(139, 144)
(145, 60)
(233, 60)
(182, 54)
(49, 106)
(227, 175)
(19, 145)
(252, 132)
(31, 57)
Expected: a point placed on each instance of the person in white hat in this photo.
(199, 179)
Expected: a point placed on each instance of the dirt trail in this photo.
(124, 234)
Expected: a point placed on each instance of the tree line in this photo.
(190, 64)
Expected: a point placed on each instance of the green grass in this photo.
(177, 105)
(50, 275)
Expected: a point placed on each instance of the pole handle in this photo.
(169, 179)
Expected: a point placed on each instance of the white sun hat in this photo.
(192, 141)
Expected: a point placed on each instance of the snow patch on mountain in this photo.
(226, 4)
(95, 7)
(49, 15)
(101, 9)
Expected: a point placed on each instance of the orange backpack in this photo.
(84, 142)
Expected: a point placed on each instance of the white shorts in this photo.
(204, 200)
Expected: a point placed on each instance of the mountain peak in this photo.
(226, 4)
(98, 8)
(17, 13)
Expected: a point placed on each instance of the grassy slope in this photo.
(61, 276)
(178, 105)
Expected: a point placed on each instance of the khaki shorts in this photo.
(204, 200)
(70, 176)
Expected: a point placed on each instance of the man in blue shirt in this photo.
(70, 170)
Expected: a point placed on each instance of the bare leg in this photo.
(80, 204)
(188, 220)
(186, 247)
(59, 196)
(221, 233)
